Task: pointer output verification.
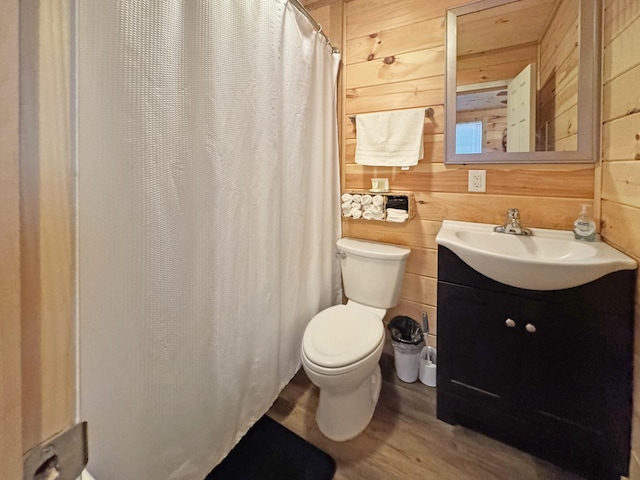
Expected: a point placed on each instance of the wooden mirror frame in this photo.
(588, 92)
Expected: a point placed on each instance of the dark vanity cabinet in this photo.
(547, 371)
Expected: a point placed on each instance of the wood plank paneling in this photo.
(419, 289)
(48, 353)
(396, 68)
(418, 36)
(574, 181)
(417, 233)
(495, 65)
(620, 169)
(10, 329)
(621, 226)
(543, 212)
(365, 17)
(423, 261)
(621, 138)
(561, 36)
(622, 54)
(409, 94)
(621, 182)
(617, 101)
(618, 15)
(512, 23)
(559, 58)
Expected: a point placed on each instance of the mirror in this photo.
(522, 80)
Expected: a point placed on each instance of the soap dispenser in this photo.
(584, 228)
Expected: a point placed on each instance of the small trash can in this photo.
(407, 340)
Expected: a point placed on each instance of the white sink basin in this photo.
(546, 260)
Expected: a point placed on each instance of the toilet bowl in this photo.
(341, 345)
(342, 360)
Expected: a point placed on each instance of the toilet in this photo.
(342, 345)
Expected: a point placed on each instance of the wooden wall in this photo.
(10, 348)
(48, 249)
(495, 65)
(37, 359)
(620, 167)
(558, 73)
(393, 53)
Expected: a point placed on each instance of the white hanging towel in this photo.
(390, 139)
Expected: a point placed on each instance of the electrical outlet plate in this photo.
(477, 181)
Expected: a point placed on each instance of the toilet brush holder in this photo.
(427, 370)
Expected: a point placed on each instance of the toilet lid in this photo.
(341, 335)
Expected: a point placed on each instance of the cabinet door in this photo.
(478, 346)
(582, 389)
(565, 358)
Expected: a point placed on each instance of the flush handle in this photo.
(510, 323)
(341, 255)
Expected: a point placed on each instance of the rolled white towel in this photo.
(346, 213)
(346, 205)
(376, 208)
(396, 211)
(346, 209)
(356, 213)
(398, 217)
(367, 215)
(346, 197)
(378, 216)
(366, 200)
(356, 198)
(378, 200)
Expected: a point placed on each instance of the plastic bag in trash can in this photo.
(405, 330)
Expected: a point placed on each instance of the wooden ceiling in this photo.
(512, 24)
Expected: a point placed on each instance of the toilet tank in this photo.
(372, 272)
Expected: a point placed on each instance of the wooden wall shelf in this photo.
(392, 207)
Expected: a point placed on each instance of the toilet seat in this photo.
(342, 335)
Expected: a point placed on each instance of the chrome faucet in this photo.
(512, 224)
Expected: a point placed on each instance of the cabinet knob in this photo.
(530, 328)
(510, 323)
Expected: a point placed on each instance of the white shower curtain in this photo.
(207, 218)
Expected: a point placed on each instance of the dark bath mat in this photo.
(271, 452)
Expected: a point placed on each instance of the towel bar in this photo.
(428, 112)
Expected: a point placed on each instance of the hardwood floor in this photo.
(405, 440)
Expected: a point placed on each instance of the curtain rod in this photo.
(316, 25)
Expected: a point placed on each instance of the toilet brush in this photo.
(425, 328)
